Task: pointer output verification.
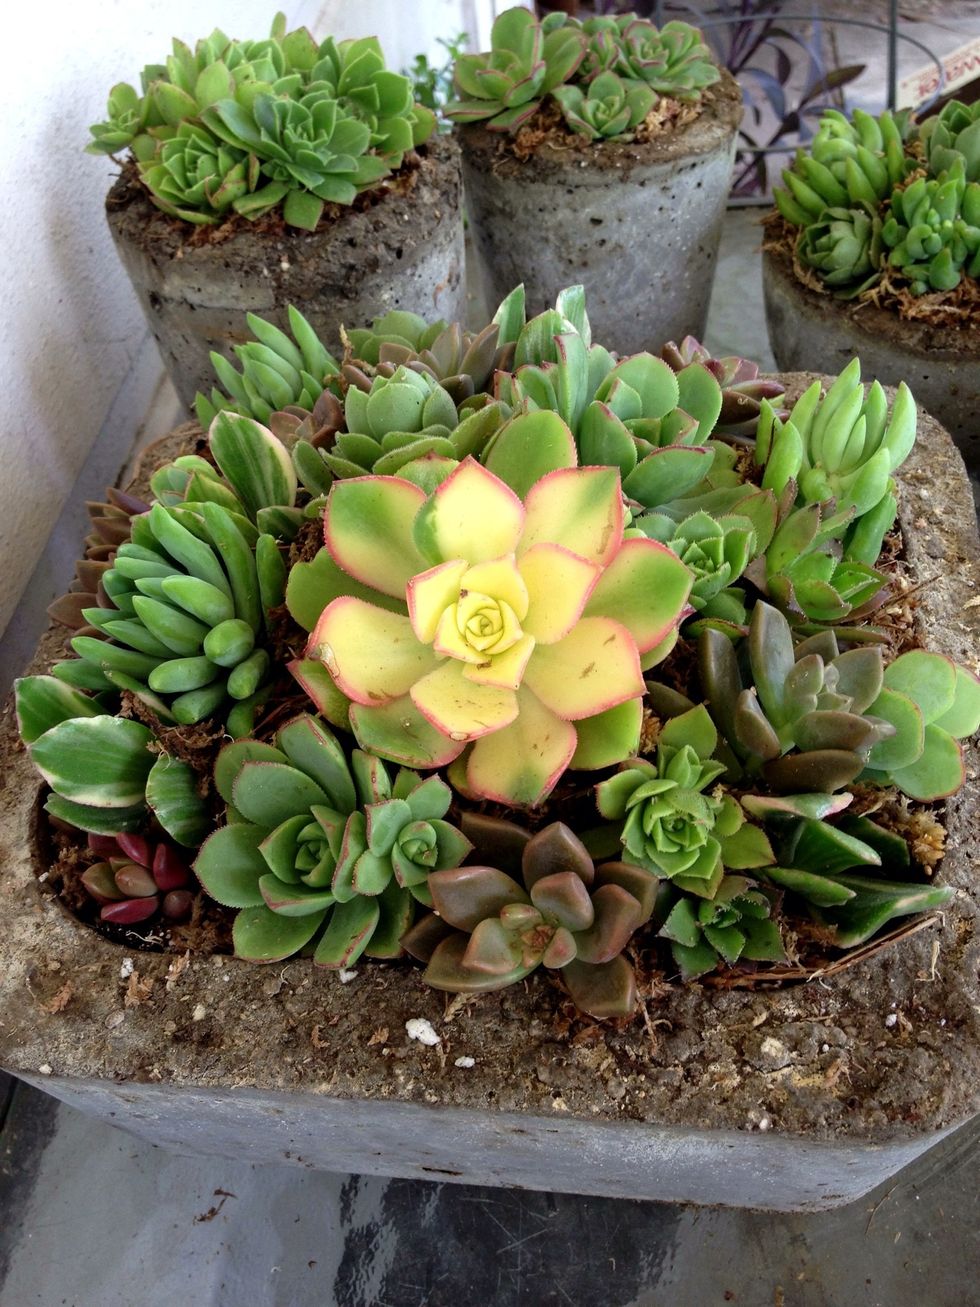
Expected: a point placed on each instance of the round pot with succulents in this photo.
(262, 173)
(598, 151)
(543, 719)
(874, 250)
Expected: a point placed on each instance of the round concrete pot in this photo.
(637, 224)
(797, 1098)
(405, 251)
(940, 365)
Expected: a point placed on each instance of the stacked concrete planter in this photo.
(795, 1098)
(808, 329)
(404, 251)
(637, 224)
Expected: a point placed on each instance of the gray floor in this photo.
(90, 1217)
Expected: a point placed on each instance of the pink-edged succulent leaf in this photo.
(559, 585)
(528, 447)
(459, 708)
(521, 764)
(368, 529)
(398, 732)
(230, 865)
(578, 508)
(593, 668)
(348, 932)
(645, 587)
(473, 515)
(816, 806)
(312, 586)
(373, 655)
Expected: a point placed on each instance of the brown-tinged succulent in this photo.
(494, 927)
(742, 387)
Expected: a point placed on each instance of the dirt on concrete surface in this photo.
(886, 1050)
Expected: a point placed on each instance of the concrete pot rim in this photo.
(216, 1023)
(919, 339)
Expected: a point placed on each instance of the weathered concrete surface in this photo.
(404, 252)
(637, 225)
(820, 333)
(806, 1094)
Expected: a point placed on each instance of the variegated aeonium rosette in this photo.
(582, 678)
(509, 632)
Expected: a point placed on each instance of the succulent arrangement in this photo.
(605, 75)
(887, 202)
(499, 651)
(247, 127)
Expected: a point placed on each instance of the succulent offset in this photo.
(581, 679)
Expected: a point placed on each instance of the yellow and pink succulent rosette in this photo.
(506, 637)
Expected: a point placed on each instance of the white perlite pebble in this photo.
(347, 976)
(45, 1069)
(199, 1013)
(465, 1062)
(420, 1029)
(127, 968)
(891, 1020)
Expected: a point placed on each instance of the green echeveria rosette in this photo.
(609, 106)
(323, 852)
(673, 60)
(736, 925)
(717, 550)
(244, 127)
(401, 417)
(669, 825)
(197, 178)
(844, 248)
(526, 60)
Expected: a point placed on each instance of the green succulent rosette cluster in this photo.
(245, 127)
(864, 204)
(375, 646)
(323, 850)
(604, 74)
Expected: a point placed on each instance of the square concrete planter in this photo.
(794, 1098)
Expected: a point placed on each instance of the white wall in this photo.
(78, 363)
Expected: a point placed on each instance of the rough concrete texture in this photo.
(806, 1094)
(403, 252)
(941, 365)
(637, 225)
